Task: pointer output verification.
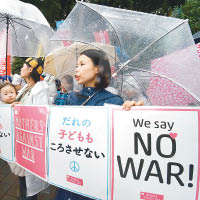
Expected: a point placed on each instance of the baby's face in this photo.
(8, 94)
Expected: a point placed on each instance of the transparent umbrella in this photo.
(24, 31)
(156, 56)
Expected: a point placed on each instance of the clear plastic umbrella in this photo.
(24, 31)
(157, 57)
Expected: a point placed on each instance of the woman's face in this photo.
(25, 71)
(86, 72)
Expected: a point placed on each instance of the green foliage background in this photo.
(191, 11)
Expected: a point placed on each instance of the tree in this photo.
(17, 65)
(66, 7)
(174, 3)
(191, 11)
(147, 5)
(126, 4)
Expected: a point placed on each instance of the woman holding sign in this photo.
(94, 73)
(35, 92)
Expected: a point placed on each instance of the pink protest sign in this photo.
(30, 138)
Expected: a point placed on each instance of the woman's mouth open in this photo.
(77, 77)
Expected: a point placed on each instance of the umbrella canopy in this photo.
(23, 10)
(24, 31)
(64, 60)
(140, 41)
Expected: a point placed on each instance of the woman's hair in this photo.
(100, 59)
(2, 85)
(37, 65)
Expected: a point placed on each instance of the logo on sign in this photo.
(74, 166)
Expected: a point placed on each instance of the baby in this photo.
(8, 93)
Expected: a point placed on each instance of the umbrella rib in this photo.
(143, 70)
(3, 15)
(7, 16)
(106, 21)
(136, 56)
(21, 24)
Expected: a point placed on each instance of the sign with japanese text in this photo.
(30, 138)
(79, 150)
(6, 134)
(155, 154)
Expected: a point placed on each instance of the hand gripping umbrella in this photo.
(157, 57)
(24, 31)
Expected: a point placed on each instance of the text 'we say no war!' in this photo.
(149, 144)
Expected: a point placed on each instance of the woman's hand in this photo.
(127, 105)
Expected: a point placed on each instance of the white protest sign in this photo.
(155, 154)
(6, 134)
(79, 158)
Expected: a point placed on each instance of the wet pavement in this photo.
(9, 186)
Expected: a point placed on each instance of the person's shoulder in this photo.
(111, 98)
(40, 85)
(73, 98)
(109, 93)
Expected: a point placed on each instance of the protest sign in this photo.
(30, 138)
(155, 154)
(79, 150)
(6, 134)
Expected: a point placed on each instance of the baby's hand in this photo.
(14, 103)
